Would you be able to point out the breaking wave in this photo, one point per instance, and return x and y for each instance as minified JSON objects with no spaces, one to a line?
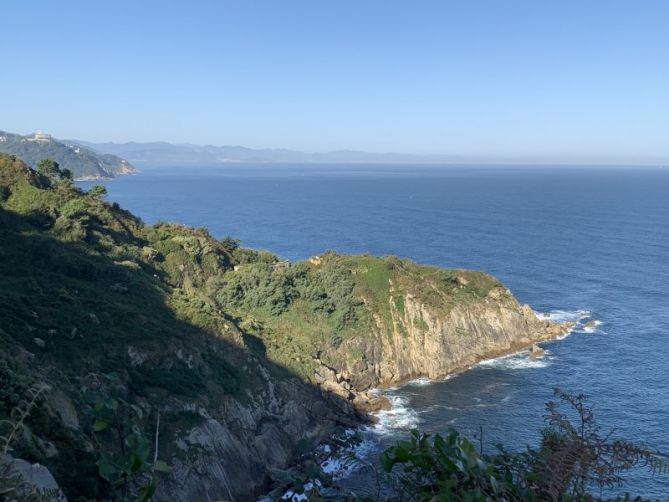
{"x":579,"y":317}
{"x":518,"y":361}
{"x":400,"y":417}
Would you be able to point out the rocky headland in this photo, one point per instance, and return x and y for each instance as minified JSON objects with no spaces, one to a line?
{"x":237,"y":361}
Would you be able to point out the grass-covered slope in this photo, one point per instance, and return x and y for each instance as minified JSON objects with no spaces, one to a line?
{"x":82,"y":162}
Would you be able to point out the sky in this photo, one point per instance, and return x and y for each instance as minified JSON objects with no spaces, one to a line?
{"x":581,"y":80}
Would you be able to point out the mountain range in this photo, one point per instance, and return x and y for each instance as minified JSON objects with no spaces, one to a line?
{"x":170,"y":153}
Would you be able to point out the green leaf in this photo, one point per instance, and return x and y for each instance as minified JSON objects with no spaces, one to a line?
{"x":387,"y":462}
{"x":162,"y":466}
{"x":494,"y":484}
{"x":138,"y":411}
{"x":401,"y":453}
{"x":147,"y":491}
{"x":107,"y":468}
{"x":136,"y":462}
{"x":100,"y":424}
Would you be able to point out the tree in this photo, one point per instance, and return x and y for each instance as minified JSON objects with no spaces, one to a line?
{"x":49,"y":168}
{"x":97,"y":191}
{"x":230,"y":243}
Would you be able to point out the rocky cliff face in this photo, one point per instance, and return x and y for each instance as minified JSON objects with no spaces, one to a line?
{"x":423,"y":322}
{"x":423,"y":342}
{"x":234,"y":452}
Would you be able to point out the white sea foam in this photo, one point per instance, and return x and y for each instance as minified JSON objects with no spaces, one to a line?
{"x":419,"y":382}
{"x":348,"y":459}
{"x":594,"y":328}
{"x":398,"y":417}
{"x":308,"y":487}
{"x":518,"y":361}
{"x":578,"y":317}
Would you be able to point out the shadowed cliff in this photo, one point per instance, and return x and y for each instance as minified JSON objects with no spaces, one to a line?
{"x":86,"y":306}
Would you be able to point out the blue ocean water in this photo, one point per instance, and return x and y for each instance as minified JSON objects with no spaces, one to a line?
{"x":580,"y":242}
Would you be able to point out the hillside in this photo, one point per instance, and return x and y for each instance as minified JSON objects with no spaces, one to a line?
{"x":83,"y":162}
{"x":238,"y":362}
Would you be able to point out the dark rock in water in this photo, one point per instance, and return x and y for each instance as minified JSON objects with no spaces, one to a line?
{"x":536,"y":352}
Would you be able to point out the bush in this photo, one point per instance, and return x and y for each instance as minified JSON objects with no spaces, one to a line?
{"x":97,"y":191}
{"x":574,"y":456}
{"x":73,"y":208}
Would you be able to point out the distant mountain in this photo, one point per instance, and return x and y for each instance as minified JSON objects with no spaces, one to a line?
{"x":83,"y":162}
{"x":160,"y":152}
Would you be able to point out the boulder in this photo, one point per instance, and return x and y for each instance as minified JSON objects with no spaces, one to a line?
{"x":536,"y":352}
{"x":30,"y":479}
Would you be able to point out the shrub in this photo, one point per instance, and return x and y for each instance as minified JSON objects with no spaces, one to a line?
{"x":97,"y":191}
{"x":574,"y":456}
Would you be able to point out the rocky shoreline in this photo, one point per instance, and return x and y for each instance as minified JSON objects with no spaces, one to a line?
{"x":344,"y":384}
{"x":334,"y":453}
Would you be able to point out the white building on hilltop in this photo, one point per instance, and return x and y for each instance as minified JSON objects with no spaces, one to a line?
{"x":40,"y":137}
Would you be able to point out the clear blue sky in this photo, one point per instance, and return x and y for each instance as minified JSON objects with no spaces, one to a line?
{"x":542,"y":79}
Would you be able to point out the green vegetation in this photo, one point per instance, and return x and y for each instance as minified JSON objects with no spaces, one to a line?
{"x":76,"y":160}
{"x":574,"y":462}
{"x":124,"y":454}
{"x":325,"y":307}
{"x":87,"y":290}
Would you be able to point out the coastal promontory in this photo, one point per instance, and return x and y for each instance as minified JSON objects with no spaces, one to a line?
{"x":228,"y":362}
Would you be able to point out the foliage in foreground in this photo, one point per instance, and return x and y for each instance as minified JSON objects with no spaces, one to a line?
{"x":574,"y":461}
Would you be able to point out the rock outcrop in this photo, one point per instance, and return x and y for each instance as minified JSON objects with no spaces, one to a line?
{"x":22,"y":480}
{"x":421,"y":341}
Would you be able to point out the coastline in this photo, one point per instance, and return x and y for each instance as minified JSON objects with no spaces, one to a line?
{"x":567,"y":328}
{"x":338,"y":462}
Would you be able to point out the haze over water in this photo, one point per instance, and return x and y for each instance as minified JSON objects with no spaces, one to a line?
{"x":591,"y":243}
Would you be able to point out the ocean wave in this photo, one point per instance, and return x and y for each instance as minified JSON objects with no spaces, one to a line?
{"x":593,"y":328}
{"x":575,"y":316}
{"x":351,"y":458}
{"x":518,"y":361}
{"x":578,"y":317}
{"x":419,"y":382}
{"x":400,"y":417}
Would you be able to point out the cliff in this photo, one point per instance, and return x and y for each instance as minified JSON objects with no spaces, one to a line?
{"x":234,"y":361}
{"x":369,"y":322}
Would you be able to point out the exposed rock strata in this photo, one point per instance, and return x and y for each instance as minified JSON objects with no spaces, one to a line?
{"x":424,"y":343}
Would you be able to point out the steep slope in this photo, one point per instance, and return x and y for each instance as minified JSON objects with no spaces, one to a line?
{"x":237,"y":360}
{"x":83,"y":162}
{"x":89,"y":303}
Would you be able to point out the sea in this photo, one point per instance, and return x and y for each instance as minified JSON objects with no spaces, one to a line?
{"x":576,"y":243}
